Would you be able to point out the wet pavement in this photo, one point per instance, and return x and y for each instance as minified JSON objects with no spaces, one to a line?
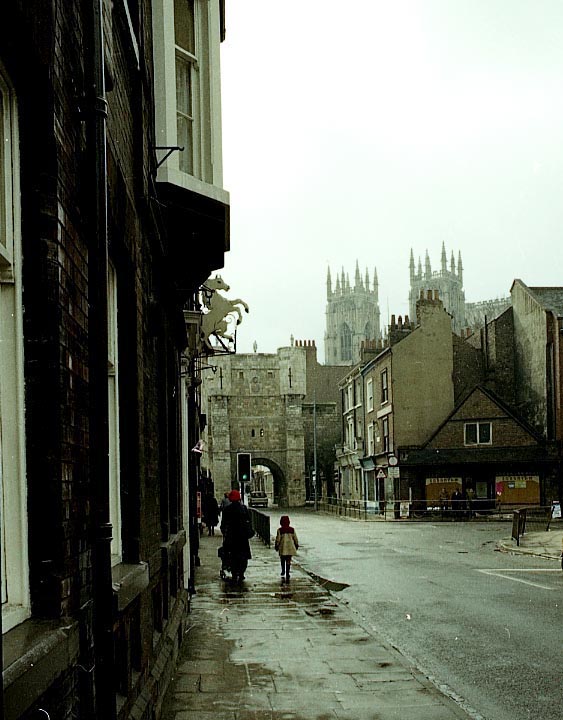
{"x":543,"y":544}
{"x":273,"y":650}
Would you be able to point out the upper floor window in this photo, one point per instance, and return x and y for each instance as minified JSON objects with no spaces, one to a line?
{"x":13,"y":486}
{"x":7,"y":130}
{"x":385,"y":434}
{"x":369,"y":393}
{"x":370,"y":439}
{"x":186,"y":41}
{"x":350,"y":433}
{"x":187,"y":88}
{"x":358,"y":392}
{"x":478,"y":433}
{"x":384,"y":387}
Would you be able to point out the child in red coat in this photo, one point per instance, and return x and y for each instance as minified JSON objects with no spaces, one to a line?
{"x":286,"y":544}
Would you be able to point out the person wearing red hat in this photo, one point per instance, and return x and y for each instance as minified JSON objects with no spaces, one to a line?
{"x":286,"y":544}
{"x":236,"y":527}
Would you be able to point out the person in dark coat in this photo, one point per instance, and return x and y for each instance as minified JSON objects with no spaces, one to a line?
{"x":457,"y":504}
{"x":224,"y":502}
{"x":210,"y":513}
{"x":236,"y":527}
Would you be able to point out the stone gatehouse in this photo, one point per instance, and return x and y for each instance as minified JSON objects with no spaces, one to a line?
{"x":277,"y":407}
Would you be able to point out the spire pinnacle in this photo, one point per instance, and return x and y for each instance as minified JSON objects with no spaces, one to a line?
{"x":357,"y":278}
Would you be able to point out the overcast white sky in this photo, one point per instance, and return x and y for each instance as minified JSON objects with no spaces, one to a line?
{"x":357,"y":131}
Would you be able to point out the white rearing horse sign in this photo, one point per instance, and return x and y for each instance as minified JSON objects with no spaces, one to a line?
{"x":214,"y":321}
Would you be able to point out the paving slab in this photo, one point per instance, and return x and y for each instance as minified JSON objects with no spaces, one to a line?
{"x":270,"y":650}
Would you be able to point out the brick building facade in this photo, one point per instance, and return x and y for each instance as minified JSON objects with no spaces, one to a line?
{"x":404,"y":407}
{"x":98,"y":371}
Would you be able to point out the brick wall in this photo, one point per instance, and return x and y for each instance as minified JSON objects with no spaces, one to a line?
{"x":43,"y":47}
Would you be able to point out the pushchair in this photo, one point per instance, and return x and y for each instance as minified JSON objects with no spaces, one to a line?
{"x":225,"y":567}
{"x":233,"y":563}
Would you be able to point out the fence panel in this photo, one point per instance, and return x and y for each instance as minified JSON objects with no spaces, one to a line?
{"x":261,"y":525}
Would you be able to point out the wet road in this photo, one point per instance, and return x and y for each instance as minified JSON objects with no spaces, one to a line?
{"x":484,"y":625}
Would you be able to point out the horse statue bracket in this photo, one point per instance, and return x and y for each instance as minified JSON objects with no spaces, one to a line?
{"x":219,"y":314}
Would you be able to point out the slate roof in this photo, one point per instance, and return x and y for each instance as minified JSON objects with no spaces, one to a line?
{"x":550,"y":297}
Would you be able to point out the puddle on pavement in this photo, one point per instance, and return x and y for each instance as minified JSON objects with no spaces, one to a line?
{"x":331,"y":585}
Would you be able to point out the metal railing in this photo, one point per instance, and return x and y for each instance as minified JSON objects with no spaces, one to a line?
{"x":456,"y":510}
{"x":347,"y":508}
{"x":261,"y":525}
{"x":533,"y":518}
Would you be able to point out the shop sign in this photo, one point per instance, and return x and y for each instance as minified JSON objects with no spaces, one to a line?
{"x":436,"y":480}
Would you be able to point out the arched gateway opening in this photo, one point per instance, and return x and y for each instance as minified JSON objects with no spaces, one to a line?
{"x":269,"y":477}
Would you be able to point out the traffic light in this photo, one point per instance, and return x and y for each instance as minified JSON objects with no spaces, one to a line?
{"x":243,"y":467}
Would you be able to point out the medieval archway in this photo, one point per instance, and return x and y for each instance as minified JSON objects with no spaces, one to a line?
{"x":273,"y":478}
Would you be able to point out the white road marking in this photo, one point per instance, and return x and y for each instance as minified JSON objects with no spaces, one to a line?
{"x":501,"y":574}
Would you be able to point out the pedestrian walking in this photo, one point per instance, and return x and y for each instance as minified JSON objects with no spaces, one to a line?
{"x":457,"y":504}
{"x":286,"y":544}
{"x":236,"y":527}
{"x":470,"y":494}
{"x":210,"y":509}
{"x":444,"y":500}
{"x":224,"y":502}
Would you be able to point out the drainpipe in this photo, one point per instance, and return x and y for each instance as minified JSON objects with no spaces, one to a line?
{"x":104,"y":678}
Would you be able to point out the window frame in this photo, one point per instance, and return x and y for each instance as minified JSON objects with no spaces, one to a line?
{"x":350,"y":432}
{"x":477,"y":425}
{"x":384,"y":386}
{"x":371,"y":439}
{"x":16,"y":605}
{"x":345,"y":343}
{"x":190,"y":162}
{"x":369,"y":394}
{"x":385,"y":435}
{"x":8,"y":148}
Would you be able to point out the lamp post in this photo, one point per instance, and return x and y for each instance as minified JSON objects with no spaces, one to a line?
{"x":315,"y":447}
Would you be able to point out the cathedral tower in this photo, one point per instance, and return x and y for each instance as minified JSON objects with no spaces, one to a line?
{"x":448,"y":283}
{"x":352,"y":315}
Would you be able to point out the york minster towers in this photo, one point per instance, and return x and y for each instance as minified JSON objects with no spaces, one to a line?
{"x":447,"y":281}
{"x":352,"y":315}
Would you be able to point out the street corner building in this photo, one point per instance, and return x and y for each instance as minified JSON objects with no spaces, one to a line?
{"x":112,"y":216}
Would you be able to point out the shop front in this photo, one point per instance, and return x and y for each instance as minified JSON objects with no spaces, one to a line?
{"x":490,"y":482}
